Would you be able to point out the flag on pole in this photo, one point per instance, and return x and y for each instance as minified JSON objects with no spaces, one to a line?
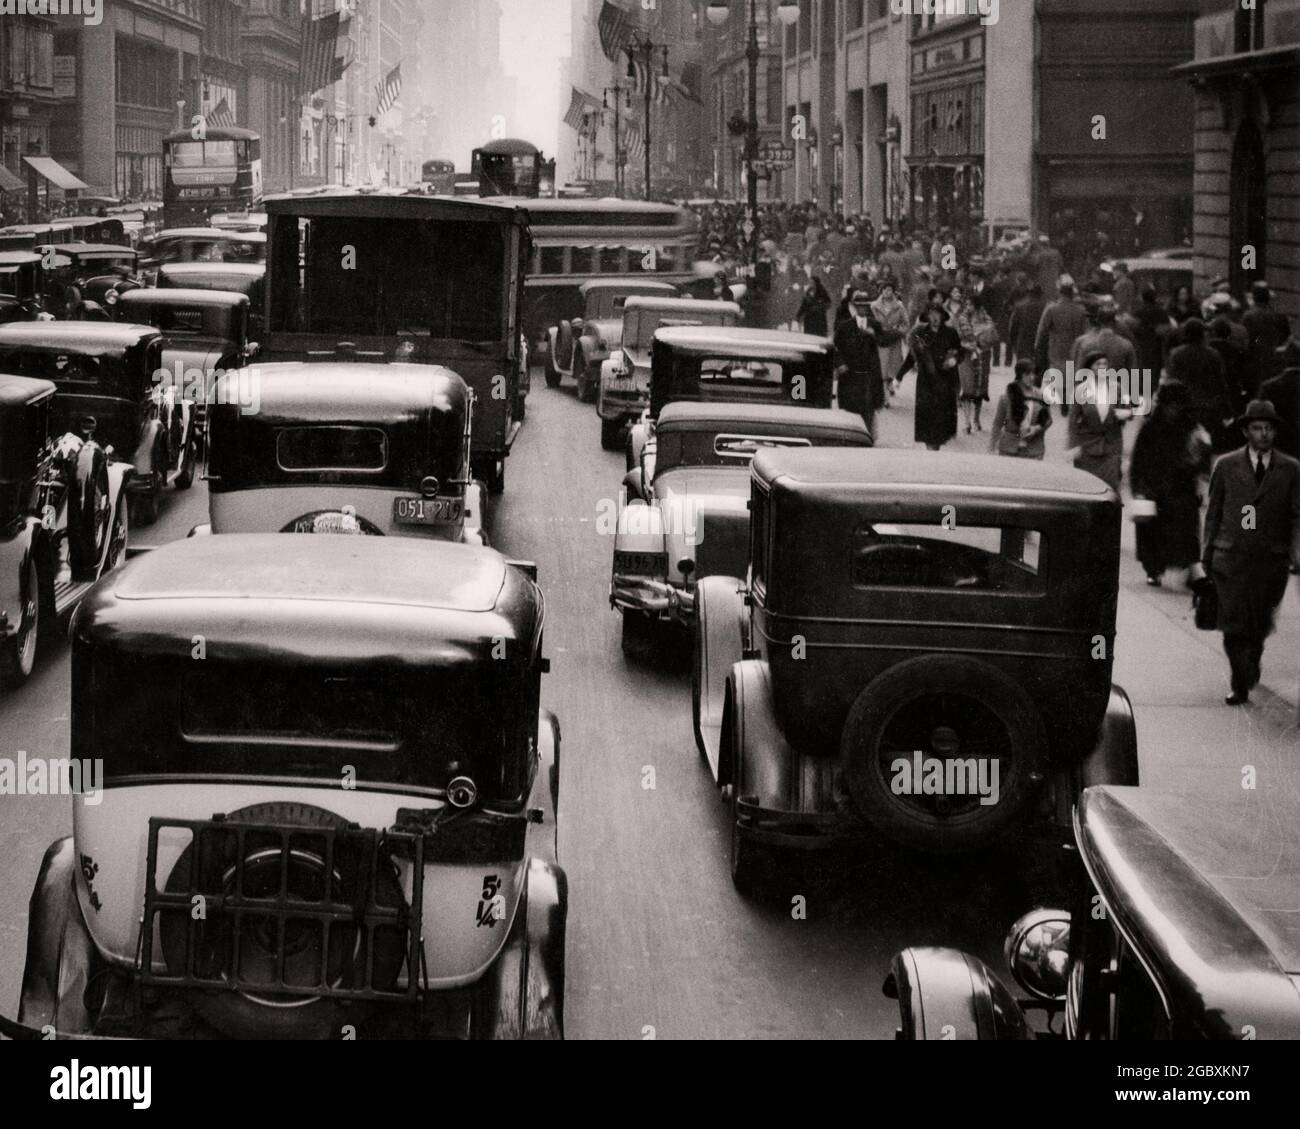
{"x":221,"y":116}
{"x":580,"y":102}
{"x":389,"y":88}
{"x":319,"y":46}
{"x":661,"y":85}
{"x":340,"y":64}
{"x":616,"y":27}
{"x":633,"y":142}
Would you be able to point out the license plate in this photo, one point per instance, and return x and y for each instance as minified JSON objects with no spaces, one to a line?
{"x":641,"y":564}
{"x":427,"y":511}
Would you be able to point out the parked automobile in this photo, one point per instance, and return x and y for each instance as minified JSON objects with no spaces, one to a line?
{"x":1163,"y":274}
{"x":922,"y":650}
{"x":111,"y":386}
{"x":248,"y":279}
{"x":201,"y":245}
{"x":1179,"y":927}
{"x":733,"y":365}
{"x":22,"y":286}
{"x":683,"y":514}
{"x":63,"y":520}
{"x":343,"y":448}
{"x":99,"y":271}
{"x":624,"y":392}
{"x":577,"y":348}
{"x":355,"y":783}
{"x":205,"y":332}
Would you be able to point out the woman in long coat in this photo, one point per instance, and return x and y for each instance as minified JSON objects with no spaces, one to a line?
{"x":891,"y":313}
{"x":1169,"y":455}
{"x":934,"y":351}
{"x":1097,"y":424}
{"x":814,"y":309}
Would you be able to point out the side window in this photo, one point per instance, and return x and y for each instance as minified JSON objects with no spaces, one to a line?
{"x":942,"y":556}
{"x":552,"y":260}
{"x":759,"y":520}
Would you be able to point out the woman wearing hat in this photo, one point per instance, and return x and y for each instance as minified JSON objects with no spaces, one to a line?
{"x":857,"y":362}
{"x":1252,"y":526}
{"x":1096,"y":420}
{"x":891,"y":316}
{"x":934,"y":351}
{"x":1172,"y":451}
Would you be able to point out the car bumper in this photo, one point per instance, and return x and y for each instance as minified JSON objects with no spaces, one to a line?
{"x":654,"y":597}
{"x":626,"y":406}
{"x":791,"y":830}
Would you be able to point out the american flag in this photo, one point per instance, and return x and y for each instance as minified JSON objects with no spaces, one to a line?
{"x":388,"y":89}
{"x":616,"y":27}
{"x":221,"y":115}
{"x":580,"y":102}
{"x":661,"y":87}
{"x":633,"y":142}
{"x":317,"y":66}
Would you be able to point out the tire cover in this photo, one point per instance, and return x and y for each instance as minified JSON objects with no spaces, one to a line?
{"x":89,"y":484}
{"x":564,"y":346}
{"x":969,"y":685}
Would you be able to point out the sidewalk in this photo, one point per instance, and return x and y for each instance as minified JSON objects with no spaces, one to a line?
{"x":1161,"y":658}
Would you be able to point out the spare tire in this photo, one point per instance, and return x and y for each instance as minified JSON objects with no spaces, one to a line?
{"x":255,"y":1013}
{"x":89,"y":511}
{"x":943,"y":753}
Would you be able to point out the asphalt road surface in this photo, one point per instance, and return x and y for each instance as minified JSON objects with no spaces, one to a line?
{"x":659,"y":943}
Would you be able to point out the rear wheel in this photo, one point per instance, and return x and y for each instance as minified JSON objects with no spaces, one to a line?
{"x":610,"y":432}
{"x":755,"y":867}
{"x":18,"y":652}
{"x":552,"y":375}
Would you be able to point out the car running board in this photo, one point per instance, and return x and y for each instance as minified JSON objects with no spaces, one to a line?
{"x":68,"y":593}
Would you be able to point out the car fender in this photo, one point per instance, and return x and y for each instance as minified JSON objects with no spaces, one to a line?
{"x":638,"y":529}
{"x":1114,"y":759}
{"x":607,"y":367}
{"x":143,"y":460}
{"x":719,"y":642}
{"x":637,"y":437}
{"x":563,"y":349}
{"x":945,"y":994}
{"x":552,"y":340}
{"x":763,"y":766}
{"x":60,"y":952}
{"x":119,"y":474}
{"x":475,"y":499}
{"x":15,"y":552}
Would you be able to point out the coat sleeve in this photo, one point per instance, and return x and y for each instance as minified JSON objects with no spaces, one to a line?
{"x":999,"y":423}
{"x":1213,"y":514}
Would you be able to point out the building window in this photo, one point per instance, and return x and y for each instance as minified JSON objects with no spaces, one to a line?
{"x":773,"y":112}
{"x":879,"y":9}
{"x":146,"y":75}
{"x":1248,"y":27}
{"x":854,"y":13}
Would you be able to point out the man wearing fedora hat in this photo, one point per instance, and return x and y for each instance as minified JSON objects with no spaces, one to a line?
{"x":1252,"y":527}
{"x":857,"y":361}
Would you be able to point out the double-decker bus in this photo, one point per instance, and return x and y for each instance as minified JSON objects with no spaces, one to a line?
{"x":575,"y":240}
{"x":220,"y":173}
{"x":438,"y":177}
{"x":508,"y":167}
{"x":429,"y":279}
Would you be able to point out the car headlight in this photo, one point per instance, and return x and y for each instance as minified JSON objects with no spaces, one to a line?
{"x":110,"y":297}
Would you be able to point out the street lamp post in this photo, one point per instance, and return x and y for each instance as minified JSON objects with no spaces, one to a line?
{"x":616,"y":90}
{"x":717,"y":13}
{"x":645,"y":47}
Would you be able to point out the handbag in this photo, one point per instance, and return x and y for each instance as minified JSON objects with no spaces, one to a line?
{"x":1205,"y":604}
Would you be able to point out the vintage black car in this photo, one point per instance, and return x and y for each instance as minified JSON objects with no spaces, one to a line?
{"x":22,"y":286}
{"x":684,"y":513}
{"x":202,"y":245}
{"x":98,"y":271}
{"x":922,"y":650}
{"x":378,"y":449}
{"x":248,"y":279}
{"x":733,"y":365}
{"x":112,"y":385}
{"x":1180,"y":926}
{"x":353,"y":779}
{"x":63,"y":520}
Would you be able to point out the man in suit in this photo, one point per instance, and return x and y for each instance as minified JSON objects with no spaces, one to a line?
{"x":1267,"y":329}
{"x":857,"y":361}
{"x":1252,"y":527}
{"x":1062,"y":324}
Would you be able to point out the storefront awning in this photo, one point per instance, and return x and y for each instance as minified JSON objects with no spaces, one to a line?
{"x":9,"y":182}
{"x":55,"y":173}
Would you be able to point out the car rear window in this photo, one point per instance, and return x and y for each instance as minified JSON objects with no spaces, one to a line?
{"x":957,"y":557}
{"x":331,"y":448}
{"x":753,"y":376}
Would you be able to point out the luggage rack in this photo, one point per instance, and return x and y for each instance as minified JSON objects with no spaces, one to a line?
{"x":348,"y":918}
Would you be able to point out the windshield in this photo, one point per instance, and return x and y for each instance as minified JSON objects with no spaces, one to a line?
{"x":195,"y":154}
{"x":384,"y":277}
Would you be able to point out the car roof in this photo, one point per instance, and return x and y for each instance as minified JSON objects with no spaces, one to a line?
{"x":107,"y":249}
{"x":690,"y":416}
{"x":684,"y":305}
{"x":180,"y":296}
{"x":884,"y":471}
{"x":294,"y":598}
{"x":1206,"y":890}
{"x":86,"y":336}
{"x":234,"y":270}
{"x":17,"y":258}
{"x":629,"y":286}
{"x":348,"y":390}
{"x":740,"y":341}
{"x":1178,"y":266}
{"x":216,"y":234}
{"x":334,"y":200}
{"x":18,"y":391}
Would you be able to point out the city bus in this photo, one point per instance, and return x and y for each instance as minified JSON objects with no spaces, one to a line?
{"x":429,"y":279}
{"x":221,"y":173}
{"x":575,"y":240}
{"x":438,"y":177}
{"x":508,"y":167}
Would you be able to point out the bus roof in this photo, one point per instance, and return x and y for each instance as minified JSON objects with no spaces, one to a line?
{"x":411,"y":202}
{"x":514,"y":146}
{"x":215,"y":133}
